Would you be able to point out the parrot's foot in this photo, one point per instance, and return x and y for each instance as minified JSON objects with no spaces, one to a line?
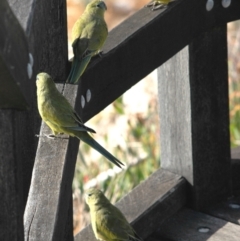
{"x":100,"y":53}
{"x":156,"y":5}
{"x":54,"y":137}
{"x":50,"y":136}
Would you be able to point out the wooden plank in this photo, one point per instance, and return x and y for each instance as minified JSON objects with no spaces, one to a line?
{"x":45,"y":26}
{"x":142,"y":43}
{"x":68,"y":232}
{"x":47,"y":209}
{"x":13,"y":61}
{"x":150,"y":203}
{"x":14,"y":125}
{"x":11,"y":193}
{"x":151,"y":238}
{"x":194,"y":117}
{"x":235,"y":153}
{"x":22,"y":10}
{"x":235,"y":170}
{"x":228,"y":210}
{"x":185,"y":225}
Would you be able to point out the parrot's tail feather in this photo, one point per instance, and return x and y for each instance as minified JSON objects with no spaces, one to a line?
{"x":71,"y":71}
{"x":82,"y":128}
{"x":85,"y":137}
{"x":78,"y":67}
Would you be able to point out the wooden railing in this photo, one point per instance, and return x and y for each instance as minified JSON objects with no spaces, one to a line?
{"x":193,"y":96}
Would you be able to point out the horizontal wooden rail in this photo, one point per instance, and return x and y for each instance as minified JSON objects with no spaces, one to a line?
{"x":228,"y":210}
{"x":186,"y":225}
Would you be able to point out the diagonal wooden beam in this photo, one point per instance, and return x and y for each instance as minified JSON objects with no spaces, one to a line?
{"x":142,"y":43}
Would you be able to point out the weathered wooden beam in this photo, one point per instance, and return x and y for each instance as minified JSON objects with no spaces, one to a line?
{"x":228,"y":210}
{"x":187,"y":224}
{"x":11,"y":186}
{"x":44,"y":23}
{"x":145,"y":41}
{"x":45,"y":26}
{"x":194,"y":117}
{"x":151,"y":238}
{"x":13,"y":61}
{"x":13,"y":131}
{"x":150,"y":203}
{"x":235,"y":170}
{"x":47,"y":208}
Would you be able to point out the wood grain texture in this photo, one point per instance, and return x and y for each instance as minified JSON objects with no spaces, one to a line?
{"x":47,"y":210}
{"x":17,"y":140}
{"x":149,"y":204}
{"x":235,"y":170}
{"x":194,"y":117}
{"x":13,"y":61}
{"x":45,"y":26}
{"x":228,"y":210}
{"x":142,"y":43}
{"x":184,"y":226}
{"x":11,"y":186}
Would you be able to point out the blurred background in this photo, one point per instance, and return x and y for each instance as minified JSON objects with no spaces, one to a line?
{"x":129,"y":127}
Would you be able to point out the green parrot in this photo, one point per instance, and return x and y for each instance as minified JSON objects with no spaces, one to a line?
{"x":89,"y":34}
{"x":157,"y":4}
{"x":59,"y":115}
{"x":108,"y":222}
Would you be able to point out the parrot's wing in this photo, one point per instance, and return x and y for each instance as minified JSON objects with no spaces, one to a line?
{"x":61,"y":113}
{"x":79,"y":65}
{"x":114,"y":226}
{"x":89,"y":35}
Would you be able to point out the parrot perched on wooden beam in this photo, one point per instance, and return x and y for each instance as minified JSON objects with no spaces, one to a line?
{"x":108,"y":222}
{"x":59,"y":115}
{"x":88,"y":34}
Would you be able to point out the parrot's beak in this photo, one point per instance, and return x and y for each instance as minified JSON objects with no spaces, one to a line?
{"x":102,"y":5}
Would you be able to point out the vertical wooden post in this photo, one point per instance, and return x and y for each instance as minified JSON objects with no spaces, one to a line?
{"x":47,"y":215}
{"x":45,"y":25}
{"x":14,"y":128}
{"x":194,"y":118}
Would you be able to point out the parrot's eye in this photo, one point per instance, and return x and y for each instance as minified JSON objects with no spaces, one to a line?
{"x":90,"y":194}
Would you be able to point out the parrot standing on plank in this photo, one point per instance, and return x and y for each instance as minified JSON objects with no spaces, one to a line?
{"x":108,"y":222}
{"x":157,"y":4}
{"x":89,"y":34}
{"x":59,"y":115}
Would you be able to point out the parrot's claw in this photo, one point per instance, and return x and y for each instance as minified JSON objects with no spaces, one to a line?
{"x":154,"y":5}
{"x":54,"y":137}
{"x":158,"y":5}
{"x":100,"y":53}
{"x":51,"y":136}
